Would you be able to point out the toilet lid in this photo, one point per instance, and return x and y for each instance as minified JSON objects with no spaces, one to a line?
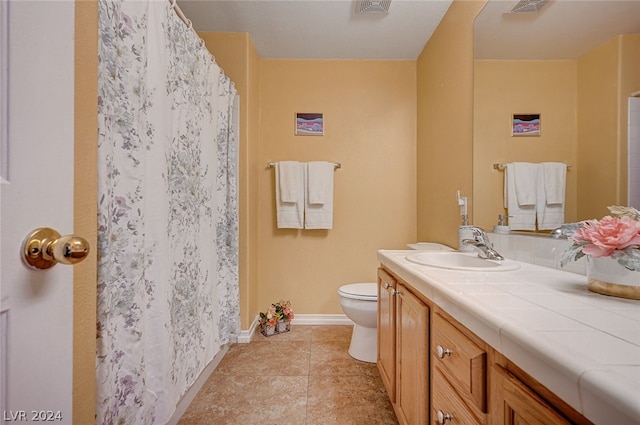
{"x":363,"y":291}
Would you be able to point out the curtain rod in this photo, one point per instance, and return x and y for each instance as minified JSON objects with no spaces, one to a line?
{"x":183,"y":18}
{"x":335,"y":165}
{"x":500,"y":167}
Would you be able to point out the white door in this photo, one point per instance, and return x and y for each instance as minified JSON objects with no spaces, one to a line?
{"x":36,"y":191}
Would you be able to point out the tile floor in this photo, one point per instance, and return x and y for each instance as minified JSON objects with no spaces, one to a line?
{"x":302,"y":377}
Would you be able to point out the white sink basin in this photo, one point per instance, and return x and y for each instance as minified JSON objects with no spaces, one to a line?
{"x":456,"y":260}
{"x":429,"y":246}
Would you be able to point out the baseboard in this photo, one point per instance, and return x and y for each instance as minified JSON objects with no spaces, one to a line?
{"x":321,"y":319}
{"x":247,"y":335}
{"x":300,"y":320}
{"x":193,"y":390}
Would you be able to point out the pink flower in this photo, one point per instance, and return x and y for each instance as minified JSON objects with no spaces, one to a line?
{"x":288,"y":313}
{"x":603,"y":237}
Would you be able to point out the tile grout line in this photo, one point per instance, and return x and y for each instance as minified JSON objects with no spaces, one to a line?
{"x":306,"y":406}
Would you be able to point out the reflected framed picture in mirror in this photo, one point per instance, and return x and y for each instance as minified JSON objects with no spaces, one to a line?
{"x":309,"y":124}
{"x":525,"y":125}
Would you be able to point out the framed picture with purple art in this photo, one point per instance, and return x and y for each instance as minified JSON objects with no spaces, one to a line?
{"x":525,"y":125}
{"x":309,"y":124}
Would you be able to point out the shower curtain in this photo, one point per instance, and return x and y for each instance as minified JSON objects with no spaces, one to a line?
{"x":168,"y":224}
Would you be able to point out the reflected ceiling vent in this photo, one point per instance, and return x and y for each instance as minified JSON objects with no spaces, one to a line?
{"x":372,"y":6}
{"x":528,"y":6}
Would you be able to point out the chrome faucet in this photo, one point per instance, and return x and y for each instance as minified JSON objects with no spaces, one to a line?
{"x":482,"y":244}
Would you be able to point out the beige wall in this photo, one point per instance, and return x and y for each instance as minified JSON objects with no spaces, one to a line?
{"x":445,"y":123}
{"x":85,"y":209}
{"x":597,"y":130}
{"x":606,"y":78}
{"x":369,"y":110}
{"x":370,"y":115}
{"x":502,"y":88}
{"x":629,"y":84}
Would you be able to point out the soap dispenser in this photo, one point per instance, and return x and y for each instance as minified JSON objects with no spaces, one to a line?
{"x":501,"y":228}
{"x":465,"y":231}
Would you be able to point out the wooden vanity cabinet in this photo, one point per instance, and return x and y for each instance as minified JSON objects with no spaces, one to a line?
{"x":403,"y":349}
{"x":469,"y":383}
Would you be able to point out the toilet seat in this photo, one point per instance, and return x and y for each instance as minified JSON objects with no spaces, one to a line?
{"x":360,"y":291}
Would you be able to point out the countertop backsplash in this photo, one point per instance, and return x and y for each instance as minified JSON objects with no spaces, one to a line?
{"x":541,"y":250}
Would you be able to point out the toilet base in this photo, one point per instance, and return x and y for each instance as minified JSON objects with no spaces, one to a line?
{"x":364,"y":344}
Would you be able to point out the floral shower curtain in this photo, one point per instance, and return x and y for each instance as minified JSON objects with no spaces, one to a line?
{"x":168,"y":242}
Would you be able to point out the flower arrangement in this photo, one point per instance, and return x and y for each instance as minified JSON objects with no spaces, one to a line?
{"x":616,"y":236}
{"x":277,"y":312}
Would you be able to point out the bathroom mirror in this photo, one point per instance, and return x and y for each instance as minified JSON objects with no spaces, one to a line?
{"x":533,"y":63}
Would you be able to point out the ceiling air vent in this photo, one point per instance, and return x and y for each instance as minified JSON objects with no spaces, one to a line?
{"x":528,"y":6}
{"x":372,"y":6}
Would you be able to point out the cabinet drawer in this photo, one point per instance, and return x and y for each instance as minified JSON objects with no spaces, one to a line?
{"x":461,"y":360}
{"x":448,"y":407}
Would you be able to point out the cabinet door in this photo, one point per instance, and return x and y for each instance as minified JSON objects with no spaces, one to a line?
{"x":412,"y":369}
{"x":516,"y":404}
{"x":387,"y":332}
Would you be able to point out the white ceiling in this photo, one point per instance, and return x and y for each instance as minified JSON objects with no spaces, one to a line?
{"x":322,"y":29}
{"x":329,"y":29}
{"x":563,"y":29}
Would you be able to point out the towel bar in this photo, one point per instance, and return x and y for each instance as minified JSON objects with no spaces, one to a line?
{"x":501,"y":167}
{"x":335,"y":164}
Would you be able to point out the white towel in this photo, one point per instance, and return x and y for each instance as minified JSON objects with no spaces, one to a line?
{"x":525,"y":179}
{"x":290,"y":215}
{"x":320,"y":181}
{"x":319,"y":202}
{"x":555,"y":178}
{"x":521,"y":217}
{"x":288,"y":180}
{"x":550,"y":198}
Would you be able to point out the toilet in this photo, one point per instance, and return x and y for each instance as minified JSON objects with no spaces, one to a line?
{"x":359,"y":301}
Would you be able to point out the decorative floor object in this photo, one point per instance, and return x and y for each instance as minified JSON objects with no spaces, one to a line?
{"x":281,"y":327}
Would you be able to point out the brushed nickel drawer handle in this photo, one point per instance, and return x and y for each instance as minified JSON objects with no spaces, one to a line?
{"x":443,"y":351}
{"x":443,"y":417}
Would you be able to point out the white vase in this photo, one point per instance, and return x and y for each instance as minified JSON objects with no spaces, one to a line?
{"x":606,"y":276}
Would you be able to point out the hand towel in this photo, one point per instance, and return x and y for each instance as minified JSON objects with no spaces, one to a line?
{"x":319,"y":202}
{"x":525,"y":179}
{"x":555,"y":178}
{"x":521,"y":217}
{"x":320,"y":181}
{"x":550,"y":198}
{"x":290,"y":215}
{"x":288,"y":174}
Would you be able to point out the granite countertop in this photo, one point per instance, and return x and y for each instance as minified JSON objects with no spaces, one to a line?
{"x":583,"y":346}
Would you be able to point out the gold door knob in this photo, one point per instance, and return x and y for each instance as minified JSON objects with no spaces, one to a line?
{"x":44,"y":248}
